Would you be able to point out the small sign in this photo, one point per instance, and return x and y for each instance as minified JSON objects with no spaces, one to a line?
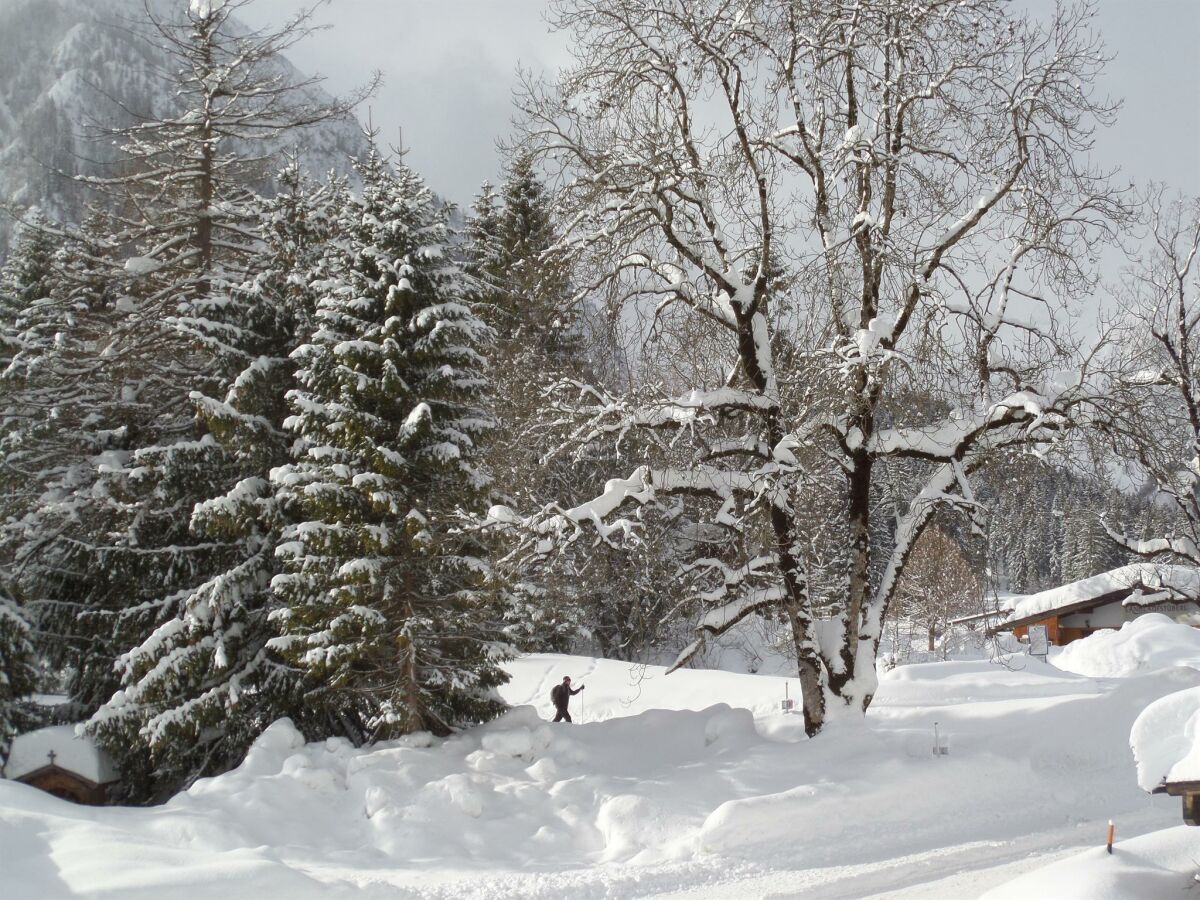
{"x":787,"y":705}
{"x":1039,"y":641}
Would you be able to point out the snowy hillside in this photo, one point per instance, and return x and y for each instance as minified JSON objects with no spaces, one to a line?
{"x":66,"y":65}
{"x":692,"y":782}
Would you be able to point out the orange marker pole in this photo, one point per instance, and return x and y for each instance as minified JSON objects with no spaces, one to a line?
{"x":1111,"y":831}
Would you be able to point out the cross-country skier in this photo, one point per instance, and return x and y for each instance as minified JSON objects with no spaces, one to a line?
{"x":561,"y":695}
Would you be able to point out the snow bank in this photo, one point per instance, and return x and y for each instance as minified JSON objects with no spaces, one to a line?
{"x":1153,"y":866}
{"x":693,"y":781}
{"x":1150,"y":642}
{"x":1147,"y":643}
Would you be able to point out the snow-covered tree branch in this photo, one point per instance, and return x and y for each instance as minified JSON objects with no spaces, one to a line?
{"x":1153,"y":419}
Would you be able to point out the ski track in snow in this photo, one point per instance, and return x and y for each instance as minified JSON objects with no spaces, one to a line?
{"x":538,"y":697}
{"x":583,"y":680}
{"x":540,"y":692}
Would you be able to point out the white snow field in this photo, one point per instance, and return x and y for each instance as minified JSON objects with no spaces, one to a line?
{"x":688,"y":785}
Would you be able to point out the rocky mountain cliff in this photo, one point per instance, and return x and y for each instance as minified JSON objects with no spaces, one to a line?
{"x":70,"y":67}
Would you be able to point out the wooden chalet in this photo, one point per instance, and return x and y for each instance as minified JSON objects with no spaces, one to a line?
{"x":64,"y":764}
{"x":1105,"y":601}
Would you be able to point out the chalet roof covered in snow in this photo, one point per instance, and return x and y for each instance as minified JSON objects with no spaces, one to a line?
{"x":76,"y":754}
{"x":1138,"y":584}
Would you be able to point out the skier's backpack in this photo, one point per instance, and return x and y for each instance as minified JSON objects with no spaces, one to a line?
{"x":556,"y":693}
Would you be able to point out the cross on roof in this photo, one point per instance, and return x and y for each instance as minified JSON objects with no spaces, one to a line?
{"x":53,"y":756}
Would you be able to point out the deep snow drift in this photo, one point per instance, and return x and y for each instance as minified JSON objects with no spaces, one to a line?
{"x":667,"y":787}
{"x":1149,"y":642}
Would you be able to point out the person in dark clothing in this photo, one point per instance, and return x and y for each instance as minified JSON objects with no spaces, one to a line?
{"x":561,"y":695}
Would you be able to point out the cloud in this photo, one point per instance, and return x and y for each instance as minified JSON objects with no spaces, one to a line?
{"x":449,"y":71}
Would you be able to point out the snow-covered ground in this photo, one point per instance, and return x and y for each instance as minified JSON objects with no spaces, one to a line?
{"x":692,"y":784}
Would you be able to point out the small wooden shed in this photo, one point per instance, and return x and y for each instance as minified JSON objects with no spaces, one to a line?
{"x":60,"y":762}
{"x":1190,"y":792}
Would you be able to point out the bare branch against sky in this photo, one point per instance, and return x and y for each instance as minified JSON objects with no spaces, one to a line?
{"x":449,"y":68}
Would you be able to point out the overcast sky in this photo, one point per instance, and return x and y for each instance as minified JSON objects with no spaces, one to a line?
{"x":449,"y":69}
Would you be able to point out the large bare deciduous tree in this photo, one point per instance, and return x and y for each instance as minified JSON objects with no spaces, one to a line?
{"x":872,"y":216}
{"x":1152,"y":418}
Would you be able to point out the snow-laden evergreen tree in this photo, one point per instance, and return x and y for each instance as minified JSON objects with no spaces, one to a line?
{"x":114,"y":533}
{"x":522,"y":290}
{"x":203,"y":685}
{"x":1046,"y":521}
{"x":66,"y":420}
{"x":24,"y":279}
{"x":383,"y":604}
{"x":615,"y":597}
{"x":18,"y":673}
{"x":525,"y":277}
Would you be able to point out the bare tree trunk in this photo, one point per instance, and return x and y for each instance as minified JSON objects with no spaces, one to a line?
{"x":859,"y":585}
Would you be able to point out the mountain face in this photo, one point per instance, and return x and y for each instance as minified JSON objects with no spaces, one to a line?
{"x":68,"y":67}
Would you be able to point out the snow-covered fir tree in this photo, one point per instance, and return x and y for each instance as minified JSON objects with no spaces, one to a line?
{"x":17,"y":670}
{"x":24,"y":279}
{"x":523,"y":291}
{"x":1046,"y":522}
{"x":25,"y":285}
{"x":63,"y":422}
{"x":611,"y":598}
{"x":524,"y":279}
{"x":203,"y":685}
{"x":112,"y":534}
{"x":384,"y":604}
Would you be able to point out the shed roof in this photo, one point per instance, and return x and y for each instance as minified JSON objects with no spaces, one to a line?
{"x":78,"y":754}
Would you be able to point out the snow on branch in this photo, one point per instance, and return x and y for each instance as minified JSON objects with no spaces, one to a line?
{"x":717,"y":621}
{"x":1180,"y":546}
{"x":731,"y":578}
{"x":952,"y":438}
{"x":554,"y":527}
{"x":602,"y":414}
